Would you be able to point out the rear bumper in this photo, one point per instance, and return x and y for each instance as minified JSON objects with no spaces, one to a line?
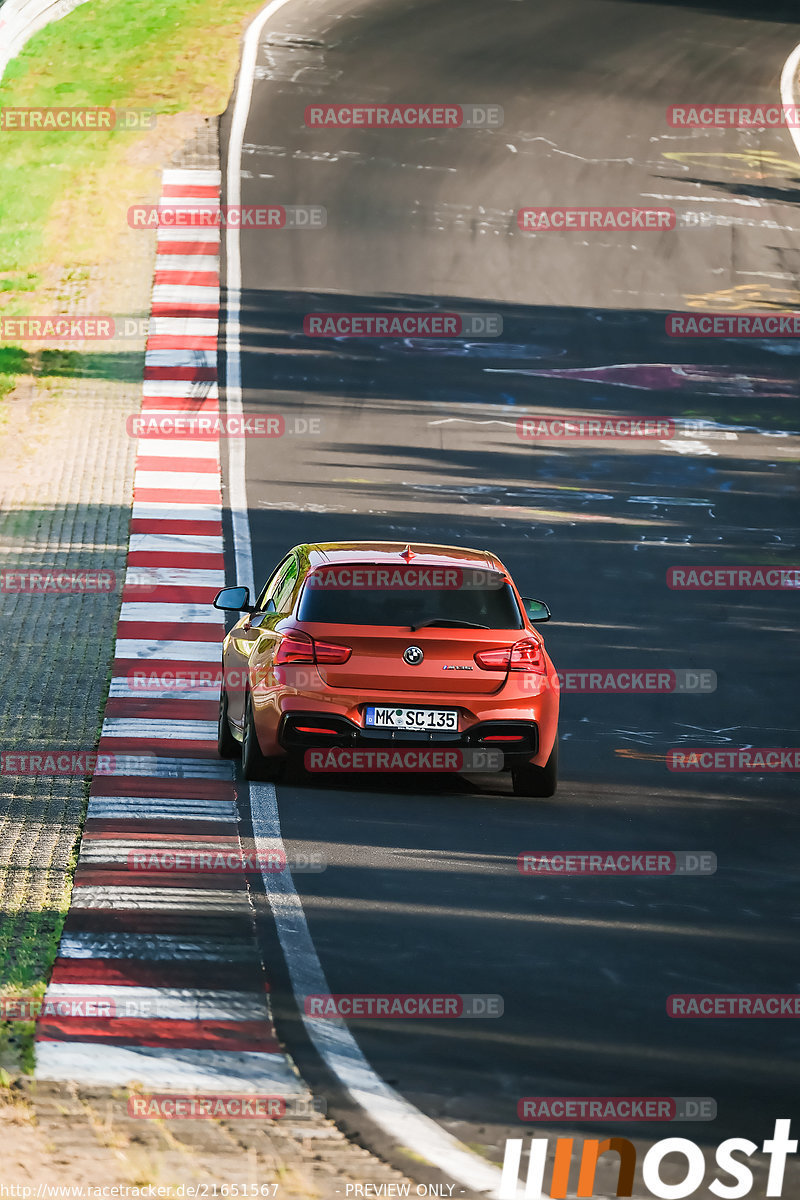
{"x":279,"y":709}
{"x":305,"y":730}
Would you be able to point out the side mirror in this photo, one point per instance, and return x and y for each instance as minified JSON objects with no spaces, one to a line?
{"x":234,"y":599}
{"x":537,"y":610}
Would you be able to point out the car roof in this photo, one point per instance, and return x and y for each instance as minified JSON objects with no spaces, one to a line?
{"x":423,"y":554}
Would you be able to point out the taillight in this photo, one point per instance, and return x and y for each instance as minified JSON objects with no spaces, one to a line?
{"x":525,"y":655}
{"x":295,"y":647}
{"x":298,"y":647}
{"x":330,"y":652}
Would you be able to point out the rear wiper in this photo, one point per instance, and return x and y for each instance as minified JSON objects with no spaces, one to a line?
{"x":446,"y":621}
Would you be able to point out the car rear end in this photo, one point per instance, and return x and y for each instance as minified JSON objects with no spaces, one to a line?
{"x":405,"y":660}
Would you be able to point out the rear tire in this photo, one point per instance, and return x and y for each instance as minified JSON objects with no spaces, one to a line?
{"x":538,"y":782}
{"x":227,"y":745}
{"x":255,"y":765}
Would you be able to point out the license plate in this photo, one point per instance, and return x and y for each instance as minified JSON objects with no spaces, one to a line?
{"x":445,"y":719}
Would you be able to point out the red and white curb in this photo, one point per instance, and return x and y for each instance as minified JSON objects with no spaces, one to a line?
{"x":173,"y":955}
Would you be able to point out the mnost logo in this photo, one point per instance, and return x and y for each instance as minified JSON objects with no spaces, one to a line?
{"x":777,"y":1148}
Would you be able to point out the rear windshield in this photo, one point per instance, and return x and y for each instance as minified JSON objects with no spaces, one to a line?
{"x":327,"y":599}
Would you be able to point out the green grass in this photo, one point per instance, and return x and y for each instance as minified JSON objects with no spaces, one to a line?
{"x":64,"y":194}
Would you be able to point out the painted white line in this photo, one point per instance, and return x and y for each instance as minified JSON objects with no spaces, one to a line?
{"x":169,"y":808}
{"x":187,"y":481}
{"x":401,"y":1120}
{"x":693,"y":447}
{"x":117,"y":849}
{"x":202,"y":233}
{"x":153,"y":947}
{"x":789,"y":75}
{"x":179,"y":448}
{"x":186,"y":293}
{"x":172,"y":651}
{"x":176,"y":543}
{"x":168,"y":899}
{"x":155,"y":510}
{"x":332,"y":1038}
{"x":187,"y":262}
{"x":180,"y":389}
{"x":163,"y":687}
{"x":187,"y":200}
{"x":214,"y":1071}
{"x":185,"y":576}
{"x":169,"y":1004}
{"x":180,"y":357}
{"x":162,"y":767}
{"x":166,"y":730}
{"x":185,"y":326}
{"x":133,"y":610}
{"x":202,"y":176}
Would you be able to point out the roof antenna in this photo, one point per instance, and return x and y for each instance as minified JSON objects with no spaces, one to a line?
{"x":407,"y":553}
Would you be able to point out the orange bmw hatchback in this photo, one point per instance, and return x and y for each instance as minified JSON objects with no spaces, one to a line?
{"x":377,"y":645}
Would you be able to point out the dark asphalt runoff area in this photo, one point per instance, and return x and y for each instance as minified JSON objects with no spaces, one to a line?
{"x":418,"y":443}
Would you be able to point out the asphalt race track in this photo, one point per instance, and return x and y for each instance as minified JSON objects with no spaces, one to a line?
{"x":417,"y":442}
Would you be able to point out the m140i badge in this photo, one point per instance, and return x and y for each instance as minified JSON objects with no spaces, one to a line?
{"x":456,"y":667}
